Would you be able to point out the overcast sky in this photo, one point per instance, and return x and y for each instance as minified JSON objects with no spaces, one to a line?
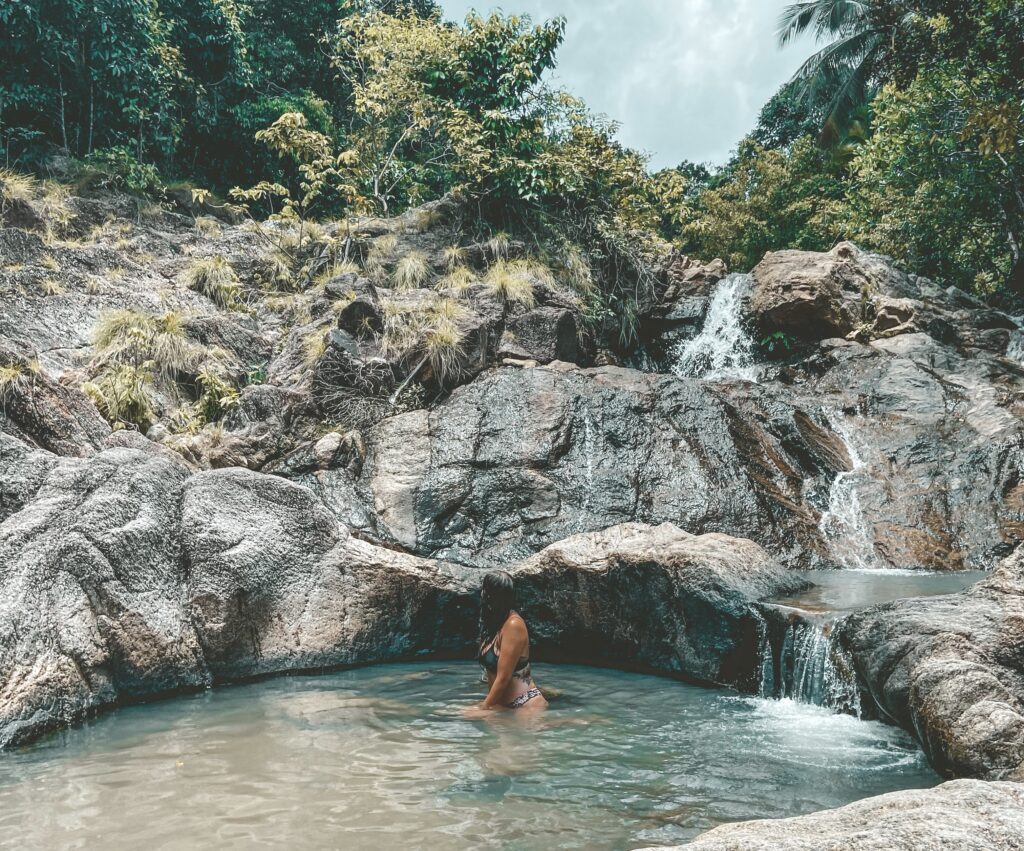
{"x":684,"y":78}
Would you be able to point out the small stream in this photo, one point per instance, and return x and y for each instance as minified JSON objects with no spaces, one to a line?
{"x":806,"y":664}
{"x":380,"y":757}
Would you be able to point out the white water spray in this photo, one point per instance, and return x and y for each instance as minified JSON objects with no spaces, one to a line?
{"x":843,"y":524}
{"x":813,"y":668}
{"x":723,"y":349}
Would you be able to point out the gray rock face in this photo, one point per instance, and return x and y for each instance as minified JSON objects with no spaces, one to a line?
{"x":543,"y":334}
{"x":523,"y":458}
{"x":44,"y":412}
{"x":93,"y":605}
{"x":967,"y":815}
{"x":951,"y":671}
{"x":936,"y":437}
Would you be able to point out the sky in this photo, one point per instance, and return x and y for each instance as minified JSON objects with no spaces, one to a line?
{"x":684,"y":78}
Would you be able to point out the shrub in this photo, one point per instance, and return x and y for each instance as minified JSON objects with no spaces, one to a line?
{"x":121,"y":395}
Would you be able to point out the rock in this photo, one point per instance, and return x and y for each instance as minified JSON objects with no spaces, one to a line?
{"x":634,"y":595}
{"x":522,"y":458}
{"x":22,"y":472}
{"x":19,"y":246}
{"x":809,"y":295}
{"x":44,"y":412}
{"x":361,"y":314}
{"x":277,"y":584}
{"x":244,"y":343}
{"x":937,"y":437}
{"x":950,"y":670}
{"x":686,"y":277}
{"x":92,"y":608}
{"x":543,"y":334}
{"x":967,"y":815}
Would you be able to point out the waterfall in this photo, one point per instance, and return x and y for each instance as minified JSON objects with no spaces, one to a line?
{"x":723,"y":349}
{"x":766,"y":659}
{"x":843,"y":524}
{"x":812,"y":667}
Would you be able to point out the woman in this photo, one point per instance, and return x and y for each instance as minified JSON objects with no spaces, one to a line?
{"x":505,"y":648}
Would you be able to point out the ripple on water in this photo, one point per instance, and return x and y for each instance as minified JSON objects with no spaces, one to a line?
{"x":364,"y":758}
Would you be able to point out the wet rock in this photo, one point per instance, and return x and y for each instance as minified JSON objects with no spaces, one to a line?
{"x":967,"y":815}
{"x":522,"y":458}
{"x":92,"y":610}
{"x":950,"y":670}
{"x":937,"y":435}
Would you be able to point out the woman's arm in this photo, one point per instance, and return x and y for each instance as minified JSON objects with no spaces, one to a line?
{"x":513,"y":643}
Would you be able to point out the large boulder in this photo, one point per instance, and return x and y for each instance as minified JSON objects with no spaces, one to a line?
{"x":41,"y":411}
{"x":967,"y":815}
{"x":276,"y":584}
{"x":810,"y":295}
{"x":950,"y":670}
{"x":92,"y":609}
{"x":657,"y":597}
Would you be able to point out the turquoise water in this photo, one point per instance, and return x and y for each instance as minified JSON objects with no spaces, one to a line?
{"x":381,"y":757}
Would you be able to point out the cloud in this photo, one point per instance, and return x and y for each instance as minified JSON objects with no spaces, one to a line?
{"x":685,"y":78}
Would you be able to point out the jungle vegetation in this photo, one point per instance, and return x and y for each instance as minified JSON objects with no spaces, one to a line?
{"x":904,"y":131}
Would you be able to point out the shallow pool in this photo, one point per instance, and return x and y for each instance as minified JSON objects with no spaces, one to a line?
{"x":381,"y":757}
{"x":847,"y":590}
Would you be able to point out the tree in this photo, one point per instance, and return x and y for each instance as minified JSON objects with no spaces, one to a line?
{"x":772,"y":199}
{"x":941,"y":182}
{"x":837,"y":78}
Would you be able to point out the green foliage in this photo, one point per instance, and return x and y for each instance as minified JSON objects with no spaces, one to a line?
{"x":120,"y":168}
{"x":777,"y":342}
{"x":121,"y":394}
{"x":770,"y":199}
{"x":939,"y":183}
{"x":217,"y":395}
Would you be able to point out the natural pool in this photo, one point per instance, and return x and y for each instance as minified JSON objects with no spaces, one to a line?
{"x":381,"y":757}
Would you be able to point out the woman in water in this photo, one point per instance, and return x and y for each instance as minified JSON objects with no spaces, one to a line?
{"x":505,"y":648}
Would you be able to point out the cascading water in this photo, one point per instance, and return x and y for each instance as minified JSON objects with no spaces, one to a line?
{"x":723,"y":349}
{"x":812,"y":668}
{"x":843,"y":524}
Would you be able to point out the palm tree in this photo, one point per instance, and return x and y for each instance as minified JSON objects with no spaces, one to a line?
{"x":861,"y":34}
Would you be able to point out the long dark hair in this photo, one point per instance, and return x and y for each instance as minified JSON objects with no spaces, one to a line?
{"x":497,"y":599}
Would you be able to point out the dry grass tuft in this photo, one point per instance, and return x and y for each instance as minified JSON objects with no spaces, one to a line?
{"x":411,"y":271}
{"x":513,"y":281}
{"x":216,"y":280}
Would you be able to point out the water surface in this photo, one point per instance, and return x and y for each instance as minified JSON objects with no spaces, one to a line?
{"x":380,"y":757}
{"x":843,"y":591}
